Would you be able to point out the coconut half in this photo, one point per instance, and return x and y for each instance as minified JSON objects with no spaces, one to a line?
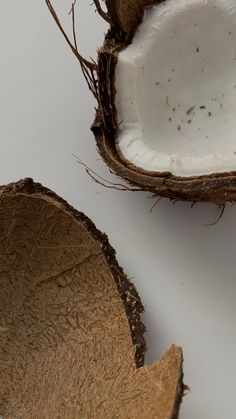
{"x":167,"y":97}
{"x":71,"y":338}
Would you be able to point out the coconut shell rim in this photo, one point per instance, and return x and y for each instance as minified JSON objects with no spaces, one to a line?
{"x":123,"y":284}
{"x":215,"y":187}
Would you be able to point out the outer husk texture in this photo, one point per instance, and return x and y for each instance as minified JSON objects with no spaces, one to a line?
{"x":126,"y":14}
{"x":217,"y":188}
{"x":71,"y":338}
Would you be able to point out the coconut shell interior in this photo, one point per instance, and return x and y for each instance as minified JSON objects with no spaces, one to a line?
{"x":217,"y":188}
{"x":71,"y":338}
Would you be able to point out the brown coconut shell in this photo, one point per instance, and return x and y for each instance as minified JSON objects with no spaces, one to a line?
{"x":125,"y":16}
{"x":71,"y":338}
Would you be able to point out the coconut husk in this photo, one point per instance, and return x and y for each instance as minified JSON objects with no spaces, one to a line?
{"x":217,"y":187}
{"x":71,"y":338}
{"x":124,"y":17}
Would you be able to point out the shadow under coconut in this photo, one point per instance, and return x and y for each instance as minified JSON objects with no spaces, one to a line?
{"x":195,"y":291}
{"x":71,"y":335}
{"x":201,"y":257}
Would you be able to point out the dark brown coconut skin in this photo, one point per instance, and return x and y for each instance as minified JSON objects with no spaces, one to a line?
{"x":217,"y":188}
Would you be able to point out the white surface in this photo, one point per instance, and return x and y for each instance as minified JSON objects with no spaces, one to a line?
{"x":185,"y":272}
{"x":182,"y":58}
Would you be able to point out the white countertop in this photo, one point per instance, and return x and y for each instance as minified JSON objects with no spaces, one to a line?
{"x":184,"y":271}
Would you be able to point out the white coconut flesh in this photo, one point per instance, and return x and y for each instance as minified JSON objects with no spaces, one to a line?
{"x":176,"y":89}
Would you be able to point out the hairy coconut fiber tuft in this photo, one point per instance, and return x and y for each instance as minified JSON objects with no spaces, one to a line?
{"x":166,"y":120}
{"x":166,"y":92}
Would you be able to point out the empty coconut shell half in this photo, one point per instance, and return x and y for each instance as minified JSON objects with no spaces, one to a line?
{"x":71,"y":338}
{"x":166,"y":91}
